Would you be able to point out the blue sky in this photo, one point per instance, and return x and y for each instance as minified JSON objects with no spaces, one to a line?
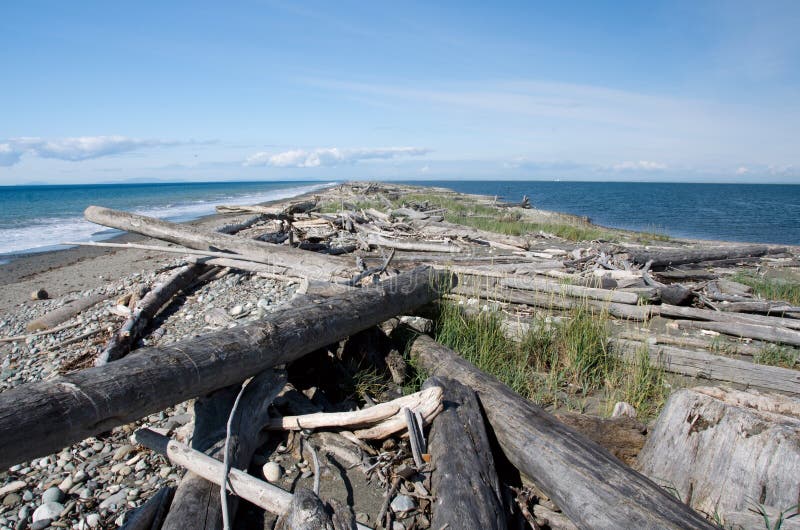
{"x":102,"y":92}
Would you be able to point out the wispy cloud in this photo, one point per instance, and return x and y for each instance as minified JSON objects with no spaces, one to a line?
{"x":640,"y":165}
{"x":330,"y":156}
{"x":74,"y":148}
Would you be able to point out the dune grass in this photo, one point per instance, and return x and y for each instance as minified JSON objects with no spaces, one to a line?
{"x":554,"y":364}
{"x":771,"y":288}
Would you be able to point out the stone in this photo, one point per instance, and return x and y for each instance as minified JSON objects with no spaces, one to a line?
{"x":12,"y":487}
{"x":93,"y":520}
{"x":48,"y":510}
{"x":123,"y":451}
{"x":52,"y":495}
{"x":236,"y":310}
{"x":622,"y":408}
{"x":41,"y":525}
{"x":39,"y":294}
{"x":11,"y":499}
{"x":116,"y":500}
{"x":216,"y":317}
{"x":272,"y":471}
{"x":403,"y":503}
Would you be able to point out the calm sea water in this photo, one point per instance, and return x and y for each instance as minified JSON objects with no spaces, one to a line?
{"x":762,"y":213}
{"x":38,"y":218}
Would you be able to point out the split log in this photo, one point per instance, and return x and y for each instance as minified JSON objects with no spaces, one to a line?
{"x":532,"y":284}
{"x":39,"y":418}
{"x":304,"y":263}
{"x":724,"y":455}
{"x":197,"y":501}
{"x":714,"y":367}
{"x":146,"y":309}
{"x":464,"y":477}
{"x":263,"y":494}
{"x":65,"y":312}
{"x":746,"y":330}
{"x":664,"y":259}
{"x":666,"y":310}
{"x":594,"y":489}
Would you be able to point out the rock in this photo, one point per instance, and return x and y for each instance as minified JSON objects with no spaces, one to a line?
{"x":216,"y":317}
{"x":117,"y":500}
{"x":66,"y":484}
{"x":123,"y":451}
{"x":52,"y":495}
{"x":622,"y":408}
{"x":11,"y":499}
{"x":403,"y":503}
{"x":272,"y":471}
{"x":48,"y":510}
{"x":41,"y":525}
{"x":24,"y":513}
{"x":93,"y":520}
{"x":39,"y":294}
{"x":236,"y":310}
{"x":12,"y":487}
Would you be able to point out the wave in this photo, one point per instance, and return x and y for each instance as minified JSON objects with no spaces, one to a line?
{"x":46,"y":233}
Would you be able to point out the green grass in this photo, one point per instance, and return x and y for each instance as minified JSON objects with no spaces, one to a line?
{"x":554,"y":364}
{"x":770,"y":288}
{"x":775,"y":355}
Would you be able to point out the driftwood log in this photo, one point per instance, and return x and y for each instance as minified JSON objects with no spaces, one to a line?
{"x":39,"y":418}
{"x":577,"y":291}
{"x":464,"y":477}
{"x":594,"y":489}
{"x":665,"y":258}
{"x":623,"y":436}
{"x":197,"y":501}
{"x":307,"y":264}
{"x":746,"y":330}
{"x":65,"y":312}
{"x":694,"y":313}
{"x":727,"y":451}
{"x":151,"y":514}
{"x":146,"y":309}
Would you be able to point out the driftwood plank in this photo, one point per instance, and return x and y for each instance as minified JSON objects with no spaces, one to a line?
{"x":39,"y":418}
{"x":65,"y":312}
{"x":666,"y":258}
{"x":594,"y":489}
{"x":464,"y":477}
{"x":577,"y":291}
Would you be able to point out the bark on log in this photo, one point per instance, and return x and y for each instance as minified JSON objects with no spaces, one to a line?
{"x":146,"y":309}
{"x":306,"y":512}
{"x":746,"y":330}
{"x":594,"y":489}
{"x":721,"y":456}
{"x":664,"y":259}
{"x":714,"y":367}
{"x":308,"y":264}
{"x":464,"y":477}
{"x":576,"y":291}
{"x":151,"y":514}
{"x":65,"y":312}
{"x":39,"y":418}
{"x":197,"y":502}
{"x":623,"y":436}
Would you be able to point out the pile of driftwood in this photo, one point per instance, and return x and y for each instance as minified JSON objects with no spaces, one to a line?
{"x":360,"y":271}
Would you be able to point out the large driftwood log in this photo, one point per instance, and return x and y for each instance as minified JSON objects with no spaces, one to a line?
{"x":151,"y":514}
{"x":445,"y":229}
{"x":65,"y":312}
{"x":576,"y":291}
{"x":594,"y":489}
{"x":39,"y":418}
{"x":623,"y":436}
{"x":306,"y":512}
{"x":665,"y":258}
{"x":377,"y":240}
{"x":694,"y":313}
{"x":125,"y":337}
{"x":308,"y":264}
{"x":722,"y":452}
{"x":706,"y":365}
{"x":746,"y":330}
{"x":464,"y":477}
{"x":197,"y":501}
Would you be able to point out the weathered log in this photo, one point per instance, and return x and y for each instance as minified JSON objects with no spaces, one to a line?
{"x":464,"y":477}
{"x":263,"y":494}
{"x":576,"y":291}
{"x":761,"y":306}
{"x":377,"y":240}
{"x":594,"y":489}
{"x":39,"y":418}
{"x":146,"y":309}
{"x":445,"y":229}
{"x":65,"y":312}
{"x":714,"y":367}
{"x":725,"y":455}
{"x":309,"y":264}
{"x":623,"y":436}
{"x":151,"y":514}
{"x":746,"y":330}
{"x":672,"y":311}
{"x":666,"y":258}
{"x":197,"y":501}
{"x":306,"y":512}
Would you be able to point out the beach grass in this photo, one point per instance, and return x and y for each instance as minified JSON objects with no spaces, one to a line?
{"x":771,"y":288}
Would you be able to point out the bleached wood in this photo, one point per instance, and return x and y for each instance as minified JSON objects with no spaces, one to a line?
{"x":65,"y":312}
{"x":575,"y":291}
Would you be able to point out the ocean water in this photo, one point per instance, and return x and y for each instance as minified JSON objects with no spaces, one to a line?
{"x":38,"y":218}
{"x":759,"y":213}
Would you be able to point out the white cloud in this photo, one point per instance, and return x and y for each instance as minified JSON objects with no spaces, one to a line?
{"x":641,"y":165}
{"x":73,"y":149}
{"x":330,"y":156}
{"x":742,"y":170}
